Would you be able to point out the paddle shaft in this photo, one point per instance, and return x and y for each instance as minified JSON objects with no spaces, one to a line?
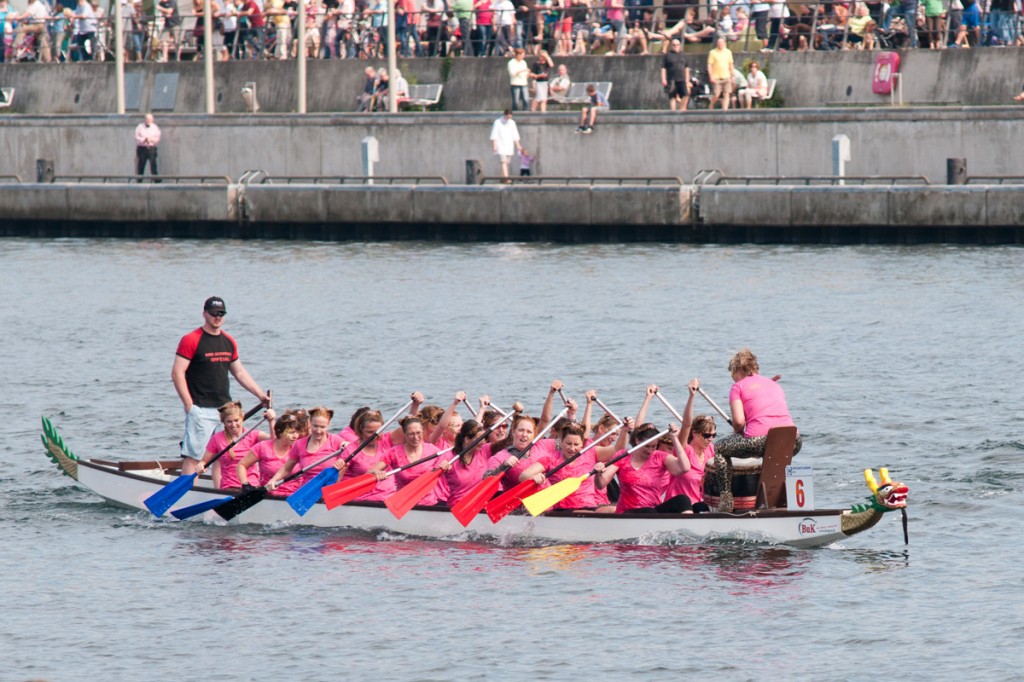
{"x":605,"y":408}
{"x":421,"y":460}
{"x":631,"y":450}
{"x":585,"y":450}
{"x":715,"y":405}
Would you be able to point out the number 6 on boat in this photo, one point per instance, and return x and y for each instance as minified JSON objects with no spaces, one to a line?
{"x":799,"y":488}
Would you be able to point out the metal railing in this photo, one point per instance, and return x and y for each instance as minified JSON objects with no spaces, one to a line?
{"x":145,"y":179}
{"x":995,"y":180}
{"x":353,"y":180}
{"x":584,"y":181}
{"x":815,"y":180}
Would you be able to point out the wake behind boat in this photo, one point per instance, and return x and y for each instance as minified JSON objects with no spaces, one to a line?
{"x":130,"y":483}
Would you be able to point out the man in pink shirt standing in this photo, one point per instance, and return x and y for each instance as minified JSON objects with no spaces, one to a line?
{"x":147,"y":137}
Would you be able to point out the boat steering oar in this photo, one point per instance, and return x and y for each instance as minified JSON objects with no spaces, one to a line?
{"x":343,"y":492}
{"x":470,"y":505}
{"x":541,"y":501}
{"x":163,"y":499}
{"x":504,"y":504}
{"x":408,"y":497}
{"x":303,"y":499}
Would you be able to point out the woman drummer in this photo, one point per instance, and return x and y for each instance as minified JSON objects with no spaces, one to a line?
{"x":270,"y":455}
{"x":757,"y":404}
{"x":224,"y":471}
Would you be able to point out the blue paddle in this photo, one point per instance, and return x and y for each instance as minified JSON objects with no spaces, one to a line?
{"x":192,"y":510}
{"x":303,"y":499}
{"x":163,"y":499}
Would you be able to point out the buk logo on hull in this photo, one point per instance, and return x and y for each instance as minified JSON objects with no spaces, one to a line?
{"x":808,"y":527}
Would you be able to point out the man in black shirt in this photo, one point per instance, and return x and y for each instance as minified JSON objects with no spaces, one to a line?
{"x":675,"y":76}
{"x":202,"y":362}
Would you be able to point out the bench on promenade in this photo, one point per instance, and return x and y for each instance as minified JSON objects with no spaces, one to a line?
{"x":577,"y":93}
{"x":423,"y":96}
{"x":760,"y":101}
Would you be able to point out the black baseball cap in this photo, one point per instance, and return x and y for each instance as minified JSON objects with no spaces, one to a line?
{"x":214,"y":304}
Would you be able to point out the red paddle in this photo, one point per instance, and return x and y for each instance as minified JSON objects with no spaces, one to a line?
{"x":470,"y":505}
{"x":504,"y":504}
{"x":408,"y":497}
{"x":348,"y":490}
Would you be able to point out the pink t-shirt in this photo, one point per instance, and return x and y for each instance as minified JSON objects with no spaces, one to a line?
{"x":229,"y":460}
{"x":691,"y":483}
{"x":764,"y":404}
{"x":586,"y":497}
{"x":299,"y":452}
{"x":544,"y":452}
{"x":396,"y":457}
{"x":461,"y":479}
{"x":269,"y":463}
{"x":362,"y":463}
{"x":643,"y":487}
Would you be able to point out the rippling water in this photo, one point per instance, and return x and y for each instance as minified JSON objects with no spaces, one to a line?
{"x":890,"y":356}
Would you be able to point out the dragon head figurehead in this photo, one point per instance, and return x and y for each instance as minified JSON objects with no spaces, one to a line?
{"x":887,"y":495}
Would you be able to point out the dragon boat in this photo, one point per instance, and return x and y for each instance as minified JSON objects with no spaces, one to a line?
{"x":130,"y":483}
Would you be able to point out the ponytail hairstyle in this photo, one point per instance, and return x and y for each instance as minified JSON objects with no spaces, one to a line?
{"x":321,"y":412}
{"x":367,"y":417}
{"x":406,"y":422}
{"x":642,"y":433}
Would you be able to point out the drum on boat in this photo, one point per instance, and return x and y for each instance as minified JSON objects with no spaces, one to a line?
{"x":746,"y":474}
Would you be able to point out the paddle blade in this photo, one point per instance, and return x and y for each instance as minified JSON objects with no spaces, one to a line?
{"x":540,"y":502}
{"x":504,"y":504}
{"x":303,"y":499}
{"x":408,"y":497}
{"x":470,"y":505}
{"x":193,"y":510}
{"x":345,"y":491}
{"x":163,"y":499}
{"x":233,"y":508}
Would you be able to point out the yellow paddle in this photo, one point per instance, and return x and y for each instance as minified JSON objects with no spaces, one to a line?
{"x":541,"y":501}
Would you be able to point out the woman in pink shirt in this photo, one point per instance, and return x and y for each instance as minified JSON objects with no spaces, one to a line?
{"x":270,"y":455}
{"x":370,"y":458}
{"x":699,"y":449}
{"x":757,"y":404}
{"x":569,"y":445}
{"x":225,"y":468}
{"x":524,"y":427}
{"x":644,"y":476}
{"x":462,"y":475}
{"x":314,"y":447}
{"x":412,"y":450}
{"x":445,"y":428}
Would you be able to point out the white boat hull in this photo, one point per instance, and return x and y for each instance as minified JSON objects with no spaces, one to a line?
{"x":813,"y":529}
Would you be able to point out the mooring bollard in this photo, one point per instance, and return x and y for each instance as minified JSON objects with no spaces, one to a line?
{"x":474,"y":172}
{"x":956,"y":171}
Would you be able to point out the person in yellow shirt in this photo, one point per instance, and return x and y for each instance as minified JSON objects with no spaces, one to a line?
{"x":720,"y":66}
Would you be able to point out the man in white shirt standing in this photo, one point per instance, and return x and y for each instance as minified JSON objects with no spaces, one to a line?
{"x":147,"y":137}
{"x":505,"y":140}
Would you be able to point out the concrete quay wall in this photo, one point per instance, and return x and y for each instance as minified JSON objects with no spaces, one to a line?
{"x":905,"y":141}
{"x":692,"y":214}
{"x":805,"y":79}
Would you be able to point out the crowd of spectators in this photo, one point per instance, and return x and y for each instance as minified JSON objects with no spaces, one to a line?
{"x":350,"y":29}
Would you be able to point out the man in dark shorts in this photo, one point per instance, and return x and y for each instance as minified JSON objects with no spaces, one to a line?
{"x":200,"y":375}
{"x":675,"y":76}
